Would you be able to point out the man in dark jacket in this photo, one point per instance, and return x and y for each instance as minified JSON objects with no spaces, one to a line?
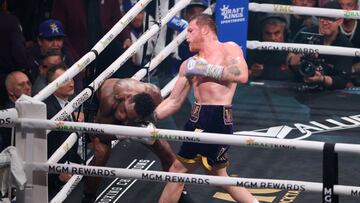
{"x":335,"y":71}
{"x":54,"y":104}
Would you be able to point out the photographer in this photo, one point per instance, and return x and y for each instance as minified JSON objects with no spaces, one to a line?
{"x":330,"y":72}
{"x":270,"y":64}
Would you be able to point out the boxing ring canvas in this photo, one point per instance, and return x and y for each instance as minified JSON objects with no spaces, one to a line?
{"x":280,"y":107}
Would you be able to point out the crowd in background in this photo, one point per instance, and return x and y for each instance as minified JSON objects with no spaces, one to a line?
{"x":317,"y":71}
{"x":39,"y":34}
{"x":40,"y":38}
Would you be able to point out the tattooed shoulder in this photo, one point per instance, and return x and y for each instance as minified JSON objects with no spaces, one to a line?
{"x":233,"y":67}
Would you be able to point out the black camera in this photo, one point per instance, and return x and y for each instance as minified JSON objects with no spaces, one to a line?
{"x":310,"y":38}
{"x":309,"y":65}
{"x":309,"y":62}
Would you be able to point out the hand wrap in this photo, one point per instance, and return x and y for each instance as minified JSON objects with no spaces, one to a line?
{"x":200,"y":67}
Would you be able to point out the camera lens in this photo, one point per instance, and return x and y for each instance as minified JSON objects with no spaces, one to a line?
{"x":307,"y":69}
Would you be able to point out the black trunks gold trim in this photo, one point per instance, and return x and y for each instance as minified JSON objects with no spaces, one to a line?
{"x":228,"y":118}
{"x":195,"y":112}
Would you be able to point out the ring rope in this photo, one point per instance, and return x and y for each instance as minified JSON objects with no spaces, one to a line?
{"x":71,"y":140}
{"x":62,"y":150}
{"x":86,"y":93}
{"x":121,"y":60}
{"x":69,"y":186}
{"x":77,"y":67}
{"x":188,"y":136}
{"x":301,"y":10}
{"x":160,"y":176}
{"x":337,"y":54}
{"x":161,"y":56}
{"x":136,"y":76}
{"x":74,"y":180}
{"x":82,"y":63}
{"x":304,"y":48}
{"x":168,"y":87}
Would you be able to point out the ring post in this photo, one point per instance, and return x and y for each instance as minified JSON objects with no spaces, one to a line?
{"x":330,"y":173}
{"x":32,"y":147}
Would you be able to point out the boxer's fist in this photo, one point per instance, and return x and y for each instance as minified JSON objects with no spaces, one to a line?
{"x":200,"y":67}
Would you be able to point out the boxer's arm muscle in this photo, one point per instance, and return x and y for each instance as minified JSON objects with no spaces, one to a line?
{"x":171,"y":104}
{"x":236,"y":69}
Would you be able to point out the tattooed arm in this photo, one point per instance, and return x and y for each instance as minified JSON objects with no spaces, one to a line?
{"x":233,"y":69}
{"x":236,"y":69}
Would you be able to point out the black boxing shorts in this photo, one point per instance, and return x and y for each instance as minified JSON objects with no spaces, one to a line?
{"x":212,"y":119}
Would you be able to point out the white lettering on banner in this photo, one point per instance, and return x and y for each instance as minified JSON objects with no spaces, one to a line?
{"x":278,"y":131}
{"x":306,"y":130}
{"x":327,"y":195}
{"x":232,"y":15}
{"x":120,"y":185}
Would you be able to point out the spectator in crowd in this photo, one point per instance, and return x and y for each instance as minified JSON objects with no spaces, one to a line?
{"x":51,"y":58}
{"x":134,"y":30}
{"x":51,"y":36}
{"x":17,"y":83}
{"x":131,"y":34}
{"x":268,"y":64}
{"x":254,"y":28}
{"x":144,"y":20}
{"x":54,"y":104}
{"x":336,"y":69}
{"x":297,"y":22}
{"x":12,"y":48}
{"x":351,"y":29}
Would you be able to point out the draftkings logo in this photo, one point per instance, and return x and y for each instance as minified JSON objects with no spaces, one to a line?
{"x":351,"y":13}
{"x":232,"y":15}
